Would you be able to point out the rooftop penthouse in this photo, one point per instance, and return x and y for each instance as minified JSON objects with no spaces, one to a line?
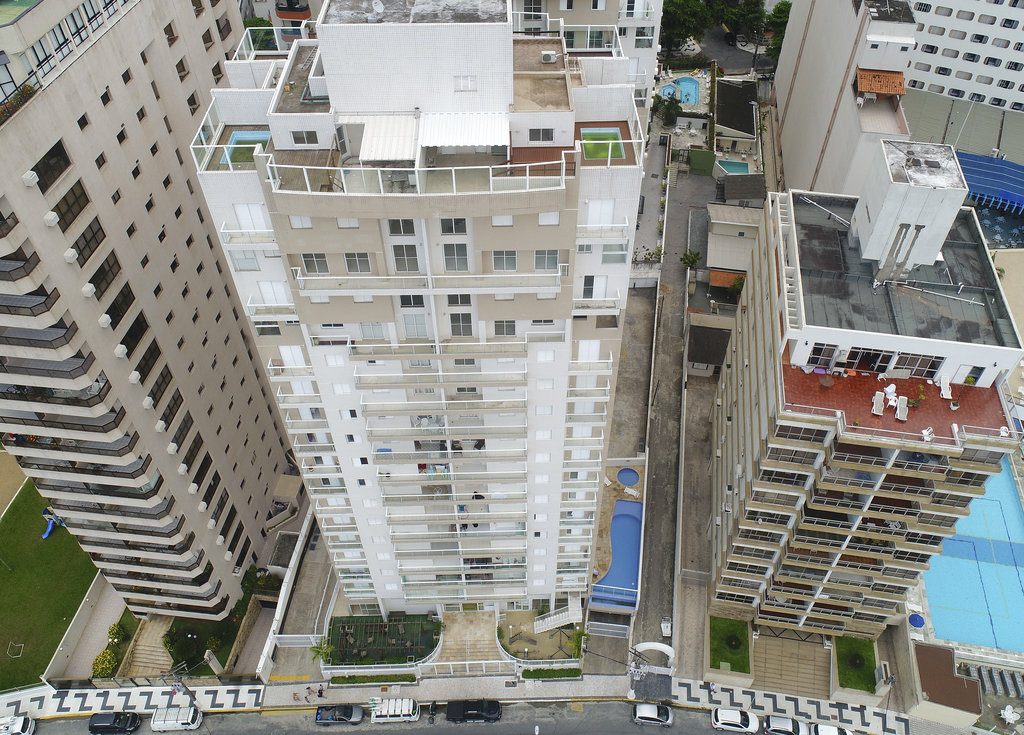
{"x":888,"y":11}
{"x":956,"y":299}
{"x":414,"y":11}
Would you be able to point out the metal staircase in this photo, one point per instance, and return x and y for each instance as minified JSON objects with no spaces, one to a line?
{"x":571,"y":613}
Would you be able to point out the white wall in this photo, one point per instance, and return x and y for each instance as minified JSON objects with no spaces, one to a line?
{"x":563,"y":122}
{"x":420,"y":62}
{"x":243,"y":106}
{"x":282,"y":126}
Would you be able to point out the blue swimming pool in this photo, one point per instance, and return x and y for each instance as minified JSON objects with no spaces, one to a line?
{"x":735,"y":167}
{"x":684,"y":89}
{"x":618,"y":588}
{"x":243,"y":139}
{"x":628,"y":476}
{"x":975,"y":587}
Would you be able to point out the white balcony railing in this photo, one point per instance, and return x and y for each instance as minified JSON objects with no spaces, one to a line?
{"x":594,"y":305}
{"x":258,"y":308}
{"x":246,"y":237}
{"x":613,"y":231}
{"x":341,"y":285}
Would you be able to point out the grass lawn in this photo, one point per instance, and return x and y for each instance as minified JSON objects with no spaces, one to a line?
{"x":730,"y":643}
{"x":367,"y":639}
{"x":855,"y":659}
{"x":130,"y":625}
{"x":241,"y":153}
{"x":43,"y":584}
{"x":595,"y":147}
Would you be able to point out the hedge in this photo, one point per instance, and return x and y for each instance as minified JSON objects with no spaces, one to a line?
{"x":375,"y":679}
{"x":552,"y":673}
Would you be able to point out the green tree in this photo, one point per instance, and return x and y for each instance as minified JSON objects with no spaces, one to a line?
{"x":776,"y":23}
{"x":747,"y":17}
{"x":104,"y":664}
{"x":322,"y":651}
{"x":683,"y":19}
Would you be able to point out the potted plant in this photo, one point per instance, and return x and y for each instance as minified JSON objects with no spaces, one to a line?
{"x":955,"y":403}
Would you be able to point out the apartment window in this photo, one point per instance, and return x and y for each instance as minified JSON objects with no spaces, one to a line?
{"x":105,"y":274}
{"x":1010,"y":23}
{"x":993,"y":61}
{"x":357,"y":262}
{"x":415,"y":325}
{"x":460,"y":299}
{"x":83,"y":122}
{"x":584,"y":248}
{"x":304,"y":137}
{"x":148,"y":360}
{"x":504,"y":260}
{"x":944,"y":71}
{"x":822,"y":355}
{"x":267,"y":329}
{"x":217,"y":72}
{"x":71,"y":205}
{"x":405,"y":258}
{"x":120,"y":304}
{"x":997,"y":102}
{"x":505,"y":328}
{"x":972,"y":57}
{"x":453,"y":226}
{"x":644,"y":37}
{"x":929,"y":48}
{"x":462,"y":325}
{"x":954,"y":92}
{"x":616,"y":252}
{"x":545,"y":260}
{"x":979,"y":38}
{"x":975,"y":97}
{"x":923,"y":7}
{"x":501,"y":220}
{"x":920,"y":366}
{"x":944,"y":11}
{"x":244,"y":260}
{"x":300,"y":222}
{"x":456,"y":257}
{"x":171,"y":34}
{"x":1014,"y":66}
{"x":542,"y":135}
{"x":411,"y":301}
{"x":465,"y":82}
{"x":371,"y":330}
{"x":51,"y":166}
{"x":401,"y":227}
{"x":89,"y":240}
{"x":315,"y":263}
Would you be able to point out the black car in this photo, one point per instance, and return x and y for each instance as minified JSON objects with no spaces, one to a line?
{"x":114,"y":723}
{"x":474,"y":710}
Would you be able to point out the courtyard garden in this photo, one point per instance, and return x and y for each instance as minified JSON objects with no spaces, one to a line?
{"x":730,"y":644}
{"x":369,"y":639}
{"x":44,"y":582}
{"x":855,"y":660}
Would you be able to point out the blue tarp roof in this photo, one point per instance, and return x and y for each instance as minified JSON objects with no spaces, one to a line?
{"x":992,"y":181}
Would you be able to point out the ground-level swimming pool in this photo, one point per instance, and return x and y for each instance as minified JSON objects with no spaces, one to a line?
{"x":618,"y":587}
{"x":975,"y":587}
{"x":735,"y":167}
{"x":684,"y":89}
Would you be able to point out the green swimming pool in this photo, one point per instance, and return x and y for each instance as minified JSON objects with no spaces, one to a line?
{"x":600,"y":142}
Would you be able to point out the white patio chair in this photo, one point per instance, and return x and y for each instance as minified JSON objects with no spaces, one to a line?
{"x":902,"y":408}
{"x":878,"y":403}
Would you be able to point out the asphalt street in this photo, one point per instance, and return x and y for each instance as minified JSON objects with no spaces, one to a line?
{"x":591,"y":718}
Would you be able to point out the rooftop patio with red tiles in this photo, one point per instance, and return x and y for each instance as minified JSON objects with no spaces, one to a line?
{"x":853,"y":394}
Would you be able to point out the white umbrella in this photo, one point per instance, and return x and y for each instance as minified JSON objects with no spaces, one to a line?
{"x":1009,"y":714}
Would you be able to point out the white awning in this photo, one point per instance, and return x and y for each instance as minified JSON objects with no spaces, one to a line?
{"x":385,"y":137}
{"x":465,"y":129}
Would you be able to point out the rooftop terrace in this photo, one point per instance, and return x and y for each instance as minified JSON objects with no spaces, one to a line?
{"x":891,"y":11}
{"x":415,"y":11}
{"x":923,"y":164}
{"x":956,"y":299}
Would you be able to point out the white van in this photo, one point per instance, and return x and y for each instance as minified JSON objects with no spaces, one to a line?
{"x":396,"y":710}
{"x":173,"y":719}
{"x":17,"y":726}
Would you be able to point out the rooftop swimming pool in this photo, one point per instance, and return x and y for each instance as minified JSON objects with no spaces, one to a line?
{"x":975,"y":587}
{"x":602,"y":143}
{"x":239,"y":146}
{"x":618,"y":587}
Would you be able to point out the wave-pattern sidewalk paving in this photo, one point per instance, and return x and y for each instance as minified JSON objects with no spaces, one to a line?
{"x":45,"y":702}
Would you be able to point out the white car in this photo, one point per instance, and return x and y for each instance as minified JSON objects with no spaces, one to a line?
{"x":774,"y":725}
{"x":829,"y":730}
{"x":734,"y":720}
{"x":652,"y":714}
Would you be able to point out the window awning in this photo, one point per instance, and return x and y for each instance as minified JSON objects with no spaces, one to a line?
{"x":880,"y":82}
{"x":464,"y":129}
{"x":385,"y":137}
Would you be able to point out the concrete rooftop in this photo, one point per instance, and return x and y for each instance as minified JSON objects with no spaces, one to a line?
{"x":415,"y":11}
{"x":924,"y":164}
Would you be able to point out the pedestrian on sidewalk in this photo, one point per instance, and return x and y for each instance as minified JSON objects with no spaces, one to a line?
{"x":713,"y":688}
{"x":295,"y":696}
{"x":320,"y":692}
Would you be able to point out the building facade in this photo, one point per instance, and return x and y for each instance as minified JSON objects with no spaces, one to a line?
{"x":838,"y":89}
{"x":127,"y":392}
{"x":970,"y":50}
{"x":862,"y":405}
{"x":437,"y":276}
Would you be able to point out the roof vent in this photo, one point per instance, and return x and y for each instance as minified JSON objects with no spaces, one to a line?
{"x":932,"y":163}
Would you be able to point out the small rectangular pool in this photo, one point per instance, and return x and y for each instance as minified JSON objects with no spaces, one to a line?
{"x":602,"y":143}
{"x":735,"y":167}
{"x":239,"y":145}
{"x":975,"y":587}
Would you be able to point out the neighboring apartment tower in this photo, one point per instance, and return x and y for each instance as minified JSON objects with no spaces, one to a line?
{"x":437,"y":272}
{"x":127,"y":393}
{"x":862,"y":405}
{"x":838,"y":88}
{"x":970,"y":50}
{"x":627,"y":27}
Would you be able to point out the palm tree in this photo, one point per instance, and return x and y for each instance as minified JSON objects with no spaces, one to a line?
{"x":322,"y":651}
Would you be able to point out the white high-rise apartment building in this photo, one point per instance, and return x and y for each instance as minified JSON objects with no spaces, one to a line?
{"x":629,"y":28}
{"x":970,"y":49}
{"x":126,"y":391}
{"x":436,"y":266}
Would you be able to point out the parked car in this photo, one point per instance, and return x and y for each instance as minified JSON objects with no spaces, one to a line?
{"x":829,"y":730}
{"x":775,"y":725}
{"x":734,"y":720}
{"x":652,"y":714}
{"x":114,"y":723}
{"x":339,"y":714}
{"x":473,"y":710}
{"x":17,"y":726}
{"x":176,"y":719}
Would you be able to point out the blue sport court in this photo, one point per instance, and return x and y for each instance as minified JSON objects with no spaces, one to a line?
{"x":975,"y":587}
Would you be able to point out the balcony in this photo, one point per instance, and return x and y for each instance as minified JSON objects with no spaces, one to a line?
{"x":297,"y":10}
{"x":298,"y":400}
{"x":601,"y":233}
{"x":277,"y":371}
{"x":246,"y":238}
{"x":258,"y":308}
{"x":302,"y":426}
{"x":396,"y":285}
{"x":597,"y":306}
{"x":413,"y":380}
{"x":450,"y":406}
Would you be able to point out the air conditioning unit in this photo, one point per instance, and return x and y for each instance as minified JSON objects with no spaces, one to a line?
{"x":726,"y":508}
{"x":51,"y":219}
{"x":548,"y":57}
{"x":30,"y":178}
{"x":718,"y":453}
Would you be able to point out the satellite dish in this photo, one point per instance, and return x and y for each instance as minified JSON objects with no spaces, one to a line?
{"x":378,"y":7}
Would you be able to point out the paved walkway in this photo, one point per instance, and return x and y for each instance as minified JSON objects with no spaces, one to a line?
{"x":470,"y":636}
{"x":787,"y":663}
{"x":94,"y":638}
{"x":45,"y":702}
{"x":253,"y":648}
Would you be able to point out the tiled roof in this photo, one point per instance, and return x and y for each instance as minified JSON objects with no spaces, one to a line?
{"x":881,"y":82}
